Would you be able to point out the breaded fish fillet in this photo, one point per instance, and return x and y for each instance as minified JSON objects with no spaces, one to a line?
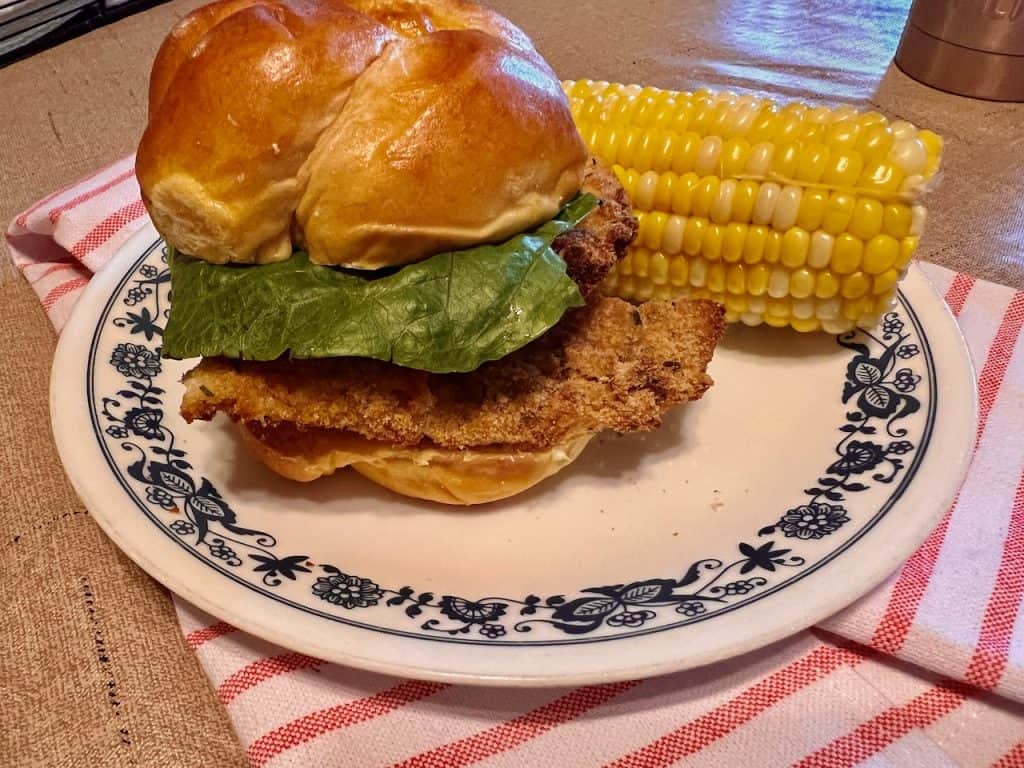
{"x":609,"y":365}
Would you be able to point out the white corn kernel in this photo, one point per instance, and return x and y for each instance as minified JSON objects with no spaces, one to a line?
{"x":828,"y":309}
{"x":764,"y":206}
{"x":917,"y":219}
{"x":786,"y":208}
{"x":778,"y":283}
{"x":821,"y":249}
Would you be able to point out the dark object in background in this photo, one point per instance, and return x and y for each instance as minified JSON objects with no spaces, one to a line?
{"x":969,"y":47}
{"x":30,"y":26}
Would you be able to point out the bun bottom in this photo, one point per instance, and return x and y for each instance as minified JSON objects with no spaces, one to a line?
{"x":470,"y":476}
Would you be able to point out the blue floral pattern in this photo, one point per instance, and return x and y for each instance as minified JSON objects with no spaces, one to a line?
{"x":873,"y":448}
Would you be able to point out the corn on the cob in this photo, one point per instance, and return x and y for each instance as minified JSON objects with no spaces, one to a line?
{"x":787,"y":215}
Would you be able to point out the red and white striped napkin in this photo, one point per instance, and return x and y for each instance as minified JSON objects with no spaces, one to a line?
{"x":927,"y":670}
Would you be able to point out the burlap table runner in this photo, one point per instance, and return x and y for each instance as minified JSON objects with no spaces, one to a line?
{"x":95,"y":670}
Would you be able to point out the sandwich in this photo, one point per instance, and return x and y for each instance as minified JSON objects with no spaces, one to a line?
{"x":387,"y":243}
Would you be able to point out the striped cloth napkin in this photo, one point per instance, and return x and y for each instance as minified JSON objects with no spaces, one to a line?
{"x":927,"y":670}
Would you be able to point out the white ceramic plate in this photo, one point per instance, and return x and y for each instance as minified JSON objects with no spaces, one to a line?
{"x":811,"y":469}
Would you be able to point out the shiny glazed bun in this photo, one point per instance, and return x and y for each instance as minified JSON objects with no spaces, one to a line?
{"x":370,"y":132}
{"x":460,"y":477}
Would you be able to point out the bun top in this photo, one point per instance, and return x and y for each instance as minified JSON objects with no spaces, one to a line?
{"x":371,"y":132}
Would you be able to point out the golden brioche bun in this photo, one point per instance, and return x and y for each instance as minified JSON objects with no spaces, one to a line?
{"x":371,"y":132}
{"x":470,"y":476}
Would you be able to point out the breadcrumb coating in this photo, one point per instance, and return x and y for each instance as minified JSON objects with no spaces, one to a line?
{"x":610,"y":365}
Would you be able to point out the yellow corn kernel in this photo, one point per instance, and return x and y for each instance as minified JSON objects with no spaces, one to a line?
{"x":777,"y":321}
{"x":759,"y":162}
{"x":757,"y":279}
{"x":806,"y":325}
{"x":842,"y":136}
{"x":658,"y":267}
{"x":881,"y":252}
{"x":854,"y":286}
{"x":758,"y":304}
{"x":796,"y":244}
{"x":754,"y":245}
{"x":897,"y":219}
{"x":788,"y":127}
{"x":933,"y":143}
{"x":854,"y":308}
{"x":652,"y":228}
{"x":735,"y":152}
{"x":682,"y":193}
{"x":844,"y":170}
{"x":801,"y":283}
{"x":908,"y":247}
{"x":866,"y":221}
{"x":827,"y":285}
{"x":838,"y":212}
{"x":779,"y":307}
{"x":721,"y":208}
{"x":641,"y":262}
{"x":662,"y":198}
{"x":711,"y":247}
{"x":737,"y":304}
{"x":693,"y":235}
{"x":736,"y":281}
{"x":678,"y":271}
{"x":885,"y":282}
{"x":812,"y":209}
{"x":875,"y":141}
{"x":785,"y":160}
{"x":700,"y":293}
{"x":704,"y":196}
{"x":813,"y":161}
{"x":644,"y":290}
{"x":716,"y":277}
{"x":847,"y":254}
{"x":772,"y":246}
{"x":743,"y":201}
{"x":732,"y":242}
{"x":882,"y":178}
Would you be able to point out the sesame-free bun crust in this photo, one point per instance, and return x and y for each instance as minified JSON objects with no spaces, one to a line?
{"x":371,"y":132}
{"x":470,"y":476}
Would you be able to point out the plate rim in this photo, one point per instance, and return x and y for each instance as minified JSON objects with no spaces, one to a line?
{"x":143,"y":239}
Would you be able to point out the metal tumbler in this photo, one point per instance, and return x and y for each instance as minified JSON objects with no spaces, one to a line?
{"x":969,"y":47}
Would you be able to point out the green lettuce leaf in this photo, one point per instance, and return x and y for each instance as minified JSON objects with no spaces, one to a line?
{"x":449,"y":313}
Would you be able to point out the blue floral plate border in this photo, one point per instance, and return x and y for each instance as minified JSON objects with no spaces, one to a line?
{"x":893,"y":431}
